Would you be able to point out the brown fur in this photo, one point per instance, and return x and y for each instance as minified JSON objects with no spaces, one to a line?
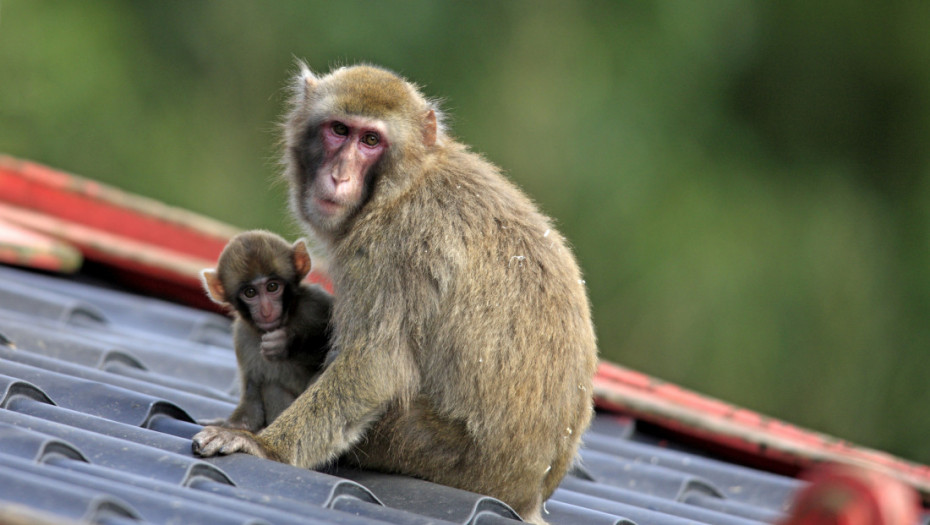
{"x":466,"y":348}
{"x":268,"y":387}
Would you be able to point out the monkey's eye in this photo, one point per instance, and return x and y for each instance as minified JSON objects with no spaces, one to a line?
{"x":249,"y":292}
{"x":272,"y":286}
{"x":340,"y":129}
{"x":371,"y":139}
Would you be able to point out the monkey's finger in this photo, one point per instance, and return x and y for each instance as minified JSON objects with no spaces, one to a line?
{"x":205,"y":442}
{"x":231,"y":446}
{"x":212,"y":448}
{"x":197,"y":447}
{"x":275,"y":335}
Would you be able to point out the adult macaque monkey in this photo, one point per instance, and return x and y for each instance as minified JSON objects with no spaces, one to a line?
{"x":466,"y":348}
{"x":281,"y":327}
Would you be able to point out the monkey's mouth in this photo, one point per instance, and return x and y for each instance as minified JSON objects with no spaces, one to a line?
{"x":327,"y":206}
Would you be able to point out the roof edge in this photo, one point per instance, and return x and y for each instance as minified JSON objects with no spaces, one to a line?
{"x":738,"y":430}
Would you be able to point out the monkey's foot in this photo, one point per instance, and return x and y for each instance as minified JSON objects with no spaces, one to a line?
{"x":212,"y":441}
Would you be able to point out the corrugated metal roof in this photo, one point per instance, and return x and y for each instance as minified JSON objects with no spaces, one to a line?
{"x":100,"y":390}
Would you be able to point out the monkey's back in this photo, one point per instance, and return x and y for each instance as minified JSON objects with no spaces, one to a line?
{"x":495,"y":310}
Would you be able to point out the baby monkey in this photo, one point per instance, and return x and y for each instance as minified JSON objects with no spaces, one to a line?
{"x":281,"y":328}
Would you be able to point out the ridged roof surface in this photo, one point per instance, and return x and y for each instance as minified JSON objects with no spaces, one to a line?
{"x":100,"y":390}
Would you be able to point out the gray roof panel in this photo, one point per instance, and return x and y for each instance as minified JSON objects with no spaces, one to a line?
{"x":100,"y":391}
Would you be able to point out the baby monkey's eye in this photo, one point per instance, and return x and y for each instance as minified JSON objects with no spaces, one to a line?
{"x":272,"y":286}
{"x":249,"y":292}
{"x":340,"y":129}
{"x":371,"y":139}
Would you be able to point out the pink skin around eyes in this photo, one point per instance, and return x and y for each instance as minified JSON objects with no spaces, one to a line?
{"x":265,"y":304}
{"x":352,"y":146}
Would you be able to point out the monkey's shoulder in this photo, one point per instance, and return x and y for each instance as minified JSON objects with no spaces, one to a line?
{"x":313,"y":307}
{"x":313,"y":296}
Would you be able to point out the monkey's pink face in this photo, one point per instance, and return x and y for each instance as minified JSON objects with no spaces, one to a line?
{"x":264,"y":299}
{"x":351,"y":146}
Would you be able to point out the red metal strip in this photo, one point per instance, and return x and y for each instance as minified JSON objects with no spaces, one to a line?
{"x":137,"y":241}
{"x":741,"y":431}
{"x":85,"y":202}
{"x":22,"y":247}
{"x":845,"y":495}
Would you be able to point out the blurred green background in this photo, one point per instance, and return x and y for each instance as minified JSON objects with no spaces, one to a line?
{"x":746,"y":184}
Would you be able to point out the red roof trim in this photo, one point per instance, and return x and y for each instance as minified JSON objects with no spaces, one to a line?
{"x":24,"y":247}
{"x":743,"y":431}
{"x":84,"y":202}
{"x":144,"y":243}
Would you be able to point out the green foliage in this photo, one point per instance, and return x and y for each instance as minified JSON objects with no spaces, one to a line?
{"x":746,"y":184}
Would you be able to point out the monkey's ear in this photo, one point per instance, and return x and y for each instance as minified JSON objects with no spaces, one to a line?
{"x":301,"y":259}
{"x":306,"y":80}
{"x":213,"y":286}
{"x":429,"y":128}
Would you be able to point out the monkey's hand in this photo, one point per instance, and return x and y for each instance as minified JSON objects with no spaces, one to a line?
{"x":274,"y":345}
{"x":212,"y":441}
{"x":239,"y":424}
{"x":215,"y":422}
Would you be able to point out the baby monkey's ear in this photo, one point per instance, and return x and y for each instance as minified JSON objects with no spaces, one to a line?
{"x":301,"y":259}
{"x":213,"y":286}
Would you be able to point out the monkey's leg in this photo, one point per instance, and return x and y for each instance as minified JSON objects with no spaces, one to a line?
{"x":412,"y":441}
{"x":249,"y":414}
{"x":418,"y":442}
{"x":275,"y":398}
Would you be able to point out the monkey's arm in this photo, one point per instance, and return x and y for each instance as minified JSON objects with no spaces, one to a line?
{"x":331,"y":415}
{"x":250,"y":412}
